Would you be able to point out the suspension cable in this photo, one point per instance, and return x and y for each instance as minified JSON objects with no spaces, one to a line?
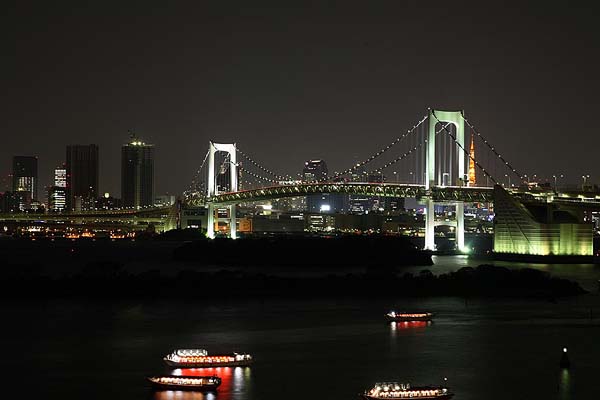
{"x":380,"y":152}
{"x":262,"y":168}
{"x":199,"y":170}
{"x":492,"y":148}
{"x":403,"y":156}
{"x":254,"y":175}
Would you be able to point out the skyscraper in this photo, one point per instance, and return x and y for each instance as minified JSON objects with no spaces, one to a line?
{"x":57,"y":194}
{"x":82,"y":176}
{"x":314,"y":170}
{"x":25,"y":176}
{"x":137,"y":173}
{"x":60,"y":176}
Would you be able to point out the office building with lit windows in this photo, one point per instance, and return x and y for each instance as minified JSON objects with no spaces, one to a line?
{"x":25,"y":176}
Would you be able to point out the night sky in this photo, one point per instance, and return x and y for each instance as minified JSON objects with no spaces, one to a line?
{"x":331,"y":80}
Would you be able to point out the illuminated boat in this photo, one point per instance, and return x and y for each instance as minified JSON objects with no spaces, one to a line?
{"x":183,"y":382}
{"x":199,"y":358}
{"x":395,"y":390}
{"x":394,"y":316}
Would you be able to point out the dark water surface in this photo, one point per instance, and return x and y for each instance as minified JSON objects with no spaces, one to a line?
{"x":319,"y":348}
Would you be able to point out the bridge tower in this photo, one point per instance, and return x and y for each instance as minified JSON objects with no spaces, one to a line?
{"x":455,"y":118}
{"x":213,"y":189}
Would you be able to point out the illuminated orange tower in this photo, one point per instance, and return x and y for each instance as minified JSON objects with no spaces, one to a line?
{"x":472,"y":177}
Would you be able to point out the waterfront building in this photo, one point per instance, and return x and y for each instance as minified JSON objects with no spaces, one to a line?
{"x":137,"y":173}
{"x":57,"y":198}
{"x":82,"y":176}
{"x":25,"y":177}
{"x":316,"y":171}
{"x":538,"y":229}
{"x":60,"y":176}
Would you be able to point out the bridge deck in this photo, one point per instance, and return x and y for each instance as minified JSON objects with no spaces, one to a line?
{"x":447,"y":193}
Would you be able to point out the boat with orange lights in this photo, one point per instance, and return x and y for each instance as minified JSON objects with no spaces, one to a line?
{"x":395,"y":390}
{"x":199,"y":358}
{"x":394,"y":316}
{"x":185,"y":382}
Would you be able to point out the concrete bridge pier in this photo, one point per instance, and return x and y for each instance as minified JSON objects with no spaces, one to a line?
{"x":430,"y":224}
{"x":210,"y":225}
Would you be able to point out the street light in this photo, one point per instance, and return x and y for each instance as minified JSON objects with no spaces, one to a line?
{"x":555,"y":177}
{"x":585,"y":178}
{"x":396,"y":175}
{"x":413,"y":177}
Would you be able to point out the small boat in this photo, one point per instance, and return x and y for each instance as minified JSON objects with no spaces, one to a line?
{"x":395,"y":390}
{"x":184,"y":382}
{"x":199,"y":358}
{"x":394,"y":316}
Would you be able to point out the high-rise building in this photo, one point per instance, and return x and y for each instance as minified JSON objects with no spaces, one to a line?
{"x":314,"y":171}
{"x":57,"y":198}
{"x":326,"y":203}
{"x":57,"y":194}
{"x":137,"y":173}
{"x":25,"y":176}
{"x":60,"y":176}
{"x":82,"y":176}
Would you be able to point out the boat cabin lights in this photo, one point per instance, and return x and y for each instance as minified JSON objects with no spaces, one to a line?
{"x":184,"y":380}
{"x":387,"y":386}
{"x":190,"y":352}
{"x":412,"y":315}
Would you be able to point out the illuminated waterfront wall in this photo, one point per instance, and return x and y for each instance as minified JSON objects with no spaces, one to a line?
{"x":517,"y":230}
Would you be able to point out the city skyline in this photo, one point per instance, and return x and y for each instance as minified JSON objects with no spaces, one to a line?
{"x":334,"y":81}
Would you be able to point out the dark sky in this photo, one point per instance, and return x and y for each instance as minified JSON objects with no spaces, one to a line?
{"x":331,"y":80}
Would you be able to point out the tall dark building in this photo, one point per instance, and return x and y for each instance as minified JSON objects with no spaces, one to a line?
{"x":314,"y":170}
{"x":82,"y":176}
{"x":137,"y":173}
{"x":25,"y":176}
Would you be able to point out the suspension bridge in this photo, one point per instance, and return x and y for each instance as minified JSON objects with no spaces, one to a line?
{"x":430,"y":162}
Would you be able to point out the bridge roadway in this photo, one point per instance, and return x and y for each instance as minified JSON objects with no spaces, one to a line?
{"x":438,"y":194}
{"x":578,"y":199}
{"x":97,"y":218}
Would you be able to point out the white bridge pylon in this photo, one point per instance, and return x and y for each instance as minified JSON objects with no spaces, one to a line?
{"x":213,"y":188}
{"x":455,"y":118}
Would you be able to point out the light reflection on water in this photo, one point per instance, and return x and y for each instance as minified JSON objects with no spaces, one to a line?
{"x":564,"y":385}
{"x":183,"y":395}
{"x":396,"y":326}
{"x":490,"y":348}
{"x":233,"y":381}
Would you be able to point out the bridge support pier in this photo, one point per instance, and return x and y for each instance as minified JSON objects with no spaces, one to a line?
{"x":212,"y":187}
{"x":460,"y":227}
{"x":210,"y":225}
{"x":232,"y":222}
{"x":430,"y":225}
{"x":455,"y":166}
